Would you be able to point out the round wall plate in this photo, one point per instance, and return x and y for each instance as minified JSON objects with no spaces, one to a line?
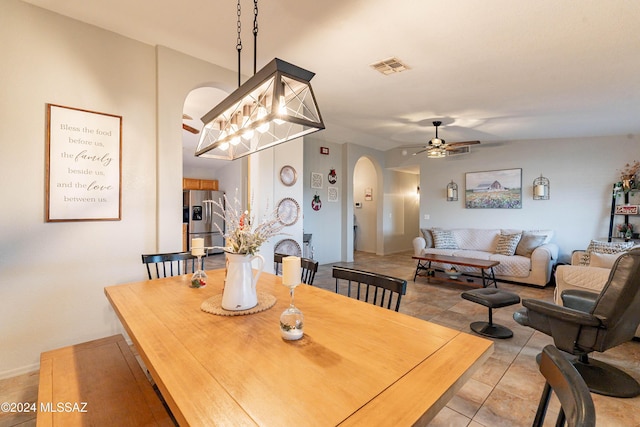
{"x":288,"y":175}
{"x":288,"y":247}
{"x":288,"y":211}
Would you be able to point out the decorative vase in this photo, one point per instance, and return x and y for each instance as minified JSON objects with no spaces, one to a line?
{"x":240,"y":282}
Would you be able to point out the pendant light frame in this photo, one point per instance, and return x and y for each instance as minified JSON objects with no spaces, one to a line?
{"x":275,"y":105}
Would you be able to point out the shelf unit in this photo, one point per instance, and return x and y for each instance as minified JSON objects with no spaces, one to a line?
{"x":630,"y":199}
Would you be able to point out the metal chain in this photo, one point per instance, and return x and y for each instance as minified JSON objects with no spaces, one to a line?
{"x":255,"y":17}
{"x":255,"y":34}
{"x":239,"y":41}
{"x":239,"y":24}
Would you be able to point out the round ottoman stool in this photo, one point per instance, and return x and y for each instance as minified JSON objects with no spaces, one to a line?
{"x":491,"y":298}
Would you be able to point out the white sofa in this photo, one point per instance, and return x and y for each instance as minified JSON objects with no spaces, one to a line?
{"x":591,"y":277}
{"x":532,"y":263}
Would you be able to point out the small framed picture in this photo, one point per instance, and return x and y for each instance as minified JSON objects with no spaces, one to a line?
{"x":316,"y":180}
{"x":332,"y":195}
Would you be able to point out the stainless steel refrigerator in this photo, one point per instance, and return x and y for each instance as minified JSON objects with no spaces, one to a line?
{"x":199,"y":214}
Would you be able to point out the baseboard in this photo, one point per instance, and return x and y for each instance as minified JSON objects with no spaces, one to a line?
{"x":20,"y":371}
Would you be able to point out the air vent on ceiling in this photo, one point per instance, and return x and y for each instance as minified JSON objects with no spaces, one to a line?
{"x":390,"y":66}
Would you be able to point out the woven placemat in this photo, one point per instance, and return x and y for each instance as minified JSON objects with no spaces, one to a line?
{"x":213,"y":305}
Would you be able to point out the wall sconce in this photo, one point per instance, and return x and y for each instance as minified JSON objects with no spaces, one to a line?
{"x":452,"y":192}
{"x":541,"y":188}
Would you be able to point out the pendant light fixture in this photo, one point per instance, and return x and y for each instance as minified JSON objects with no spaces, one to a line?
{"x":276,"y":105}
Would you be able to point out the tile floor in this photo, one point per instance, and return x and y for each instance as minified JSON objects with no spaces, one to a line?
{"x":504,"y":392}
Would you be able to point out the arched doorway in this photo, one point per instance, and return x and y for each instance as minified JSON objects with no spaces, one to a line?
{"x":366,"y":197}
{"x":197,"y":103}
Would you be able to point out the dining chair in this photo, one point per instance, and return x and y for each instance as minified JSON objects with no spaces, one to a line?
{"x":309,"y":269}
{"x":576,"y":404}
{"x":277,"y":263}
{"x":169,"y":264}
{"x":373,"y":288}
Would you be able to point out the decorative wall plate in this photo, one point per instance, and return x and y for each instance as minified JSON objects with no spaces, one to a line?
{"x":288,"y":211}
{"x":288,"y":247}
{"x":288,"y":175}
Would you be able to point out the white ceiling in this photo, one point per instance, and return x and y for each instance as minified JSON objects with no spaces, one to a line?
{"x":492,"y":70}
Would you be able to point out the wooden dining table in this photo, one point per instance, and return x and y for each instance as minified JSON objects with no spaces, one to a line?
{"x":357,"y":364}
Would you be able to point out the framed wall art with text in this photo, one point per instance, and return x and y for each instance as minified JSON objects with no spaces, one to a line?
{"x":84,"y":165}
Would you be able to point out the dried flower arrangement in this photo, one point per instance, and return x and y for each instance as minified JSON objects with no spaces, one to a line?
{"x":630,"y":170}
{"x":243,"y":234}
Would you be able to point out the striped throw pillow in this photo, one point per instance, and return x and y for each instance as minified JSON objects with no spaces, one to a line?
{"x":507,"y":244}
{"x":604,"y":248}
{"x":443,"y":239}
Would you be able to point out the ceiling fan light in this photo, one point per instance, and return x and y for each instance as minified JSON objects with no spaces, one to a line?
{"x":436,"y":142}
{"x":436,"y":153}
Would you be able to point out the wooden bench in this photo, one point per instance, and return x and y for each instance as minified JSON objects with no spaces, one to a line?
{"x":98,"y":383}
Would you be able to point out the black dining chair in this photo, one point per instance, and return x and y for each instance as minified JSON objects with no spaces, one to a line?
{"x":373,"y":288}
{"x":277,"y":263}
{"x":309,"y":269}
{"x":170,"y":264}
{"x":576,"y":404}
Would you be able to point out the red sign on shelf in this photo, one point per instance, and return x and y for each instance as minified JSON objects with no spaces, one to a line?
{"x":627,"y":209}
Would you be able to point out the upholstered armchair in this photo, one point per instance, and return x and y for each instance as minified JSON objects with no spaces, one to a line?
{"x":591,"y":321}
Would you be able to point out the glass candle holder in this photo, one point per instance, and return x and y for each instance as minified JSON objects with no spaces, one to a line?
{"x":292,"y":321}
{"x":199,"y":278}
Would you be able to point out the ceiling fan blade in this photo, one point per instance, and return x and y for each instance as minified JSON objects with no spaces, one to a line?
{"x":190,"y":129}
{"x":453,"y":145}
{"x":187,"y":117}
{"x":421,"y":151}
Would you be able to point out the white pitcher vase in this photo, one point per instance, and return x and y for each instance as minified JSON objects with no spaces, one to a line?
{"x":240,"y":282}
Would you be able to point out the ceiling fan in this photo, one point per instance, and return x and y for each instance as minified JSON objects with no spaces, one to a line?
{"x":438,"y":148}
{"x":187,"y":127}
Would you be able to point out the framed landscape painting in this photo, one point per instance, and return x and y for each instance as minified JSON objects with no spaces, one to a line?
{"x":498,"y":189}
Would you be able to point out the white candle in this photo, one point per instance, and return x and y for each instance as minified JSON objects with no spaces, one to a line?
{"x":197,"y":246}
{"x":291,"y":271}
{"x":540,"y":190}
{"x":450,"y":193}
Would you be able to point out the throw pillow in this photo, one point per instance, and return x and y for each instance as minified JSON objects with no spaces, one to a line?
{"x":528,"y":243}
{"x":507,"y":244}
{"x":603,"y":260}
{"x":604,"y":248}
{"x":443,"y":239}
{"x":426,"y":233}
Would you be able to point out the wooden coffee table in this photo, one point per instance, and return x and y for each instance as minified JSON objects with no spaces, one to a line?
{"x":486,"y":268}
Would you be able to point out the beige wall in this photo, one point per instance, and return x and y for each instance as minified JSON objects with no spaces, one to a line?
{"x":52,"y":275}
{"x":581,"y":173}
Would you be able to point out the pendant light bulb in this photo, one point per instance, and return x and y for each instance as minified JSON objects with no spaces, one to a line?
{"x":248,"y":134}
